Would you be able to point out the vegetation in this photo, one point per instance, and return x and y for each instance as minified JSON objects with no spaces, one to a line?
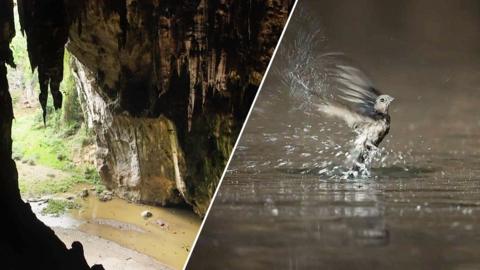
{"x":58,"y":207}
{"x":61,"y":185}
{"x":55,"y":146}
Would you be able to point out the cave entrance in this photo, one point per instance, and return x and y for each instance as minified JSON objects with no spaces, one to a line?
{"x":58,"y":176}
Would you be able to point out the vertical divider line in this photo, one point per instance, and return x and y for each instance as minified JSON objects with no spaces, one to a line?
{"x":240,"y":134}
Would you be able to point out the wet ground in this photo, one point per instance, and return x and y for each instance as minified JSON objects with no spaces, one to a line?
{"x":162,"y":241}
{"x":283,"y":205}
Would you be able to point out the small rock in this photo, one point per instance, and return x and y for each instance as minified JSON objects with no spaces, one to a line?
{"x":51,"y":175}
{"x":147,"y":214}
{"x":161,"y":223}
{"x":37,"y":200}
{"x":105,"y":196}
{"x":83,"y":193}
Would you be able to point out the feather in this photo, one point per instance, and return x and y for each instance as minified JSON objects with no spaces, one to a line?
{"x":351,"y":89}
{"x":329,"y":81}
{"x":351,"y":118}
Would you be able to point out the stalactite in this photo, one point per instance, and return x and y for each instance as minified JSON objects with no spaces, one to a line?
{"x":7,"y":32}
{"x":195,"y":62}
{"x":27,"y":243}
{"x":120,"y":8}
{"x":45,"y":24}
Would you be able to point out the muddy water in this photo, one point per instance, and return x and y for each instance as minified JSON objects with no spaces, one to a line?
{"x":167,"y":236}
{"x":282,"y":204}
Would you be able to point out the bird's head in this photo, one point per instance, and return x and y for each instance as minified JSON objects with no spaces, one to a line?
{"x":382,"y":103}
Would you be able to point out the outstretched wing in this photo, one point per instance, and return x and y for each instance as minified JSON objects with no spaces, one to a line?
{"x":349,"y":93}
{"x":327,"y":82}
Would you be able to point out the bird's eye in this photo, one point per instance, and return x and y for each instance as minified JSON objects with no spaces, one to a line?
{"x":382,"y":100}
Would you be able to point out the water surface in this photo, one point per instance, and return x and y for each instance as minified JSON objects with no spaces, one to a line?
{"x":282,"y":204}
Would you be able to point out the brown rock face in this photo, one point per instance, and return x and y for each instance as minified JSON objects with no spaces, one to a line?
{"x":170,"y":83}
{"x":176,"y":81}
{"x":138,"y":157}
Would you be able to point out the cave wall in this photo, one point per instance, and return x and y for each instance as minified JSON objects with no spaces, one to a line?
{"x":170,"y":82}
{"x":165,"y":68}
{"x":26,"y":243}
{"x":138,"y":157}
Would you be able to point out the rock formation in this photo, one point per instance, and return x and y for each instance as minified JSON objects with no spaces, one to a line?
{"x":166,"y":86}
{"x":26,"y":243}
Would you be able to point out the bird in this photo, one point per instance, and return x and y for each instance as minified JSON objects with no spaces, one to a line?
{"x":331,"y":83}
{"x":352,"y":97}
{"x":334,"y":86}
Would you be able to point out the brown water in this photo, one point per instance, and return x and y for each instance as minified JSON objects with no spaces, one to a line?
{"x":167,"y":236}
{"x":278,"y":209}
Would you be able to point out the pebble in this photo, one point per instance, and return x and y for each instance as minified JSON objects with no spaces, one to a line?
{"x":83,"y":193}
{"x":146,"y":214}
{"x":105,"y":196}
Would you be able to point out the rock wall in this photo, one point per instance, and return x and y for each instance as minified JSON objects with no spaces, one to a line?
{"x":138,"y":157}
{"x":26,"y":243}
{"x":172,"y":80}
{"x":172,"y":84}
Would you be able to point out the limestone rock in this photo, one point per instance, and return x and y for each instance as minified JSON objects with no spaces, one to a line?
{"x":166,"y":87}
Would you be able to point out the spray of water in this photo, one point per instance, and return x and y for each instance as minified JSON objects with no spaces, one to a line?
{"x":308,"y":143}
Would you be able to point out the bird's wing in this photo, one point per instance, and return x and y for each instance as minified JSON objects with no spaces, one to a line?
{"x":342,"y":112}
{"x":348,"y":93}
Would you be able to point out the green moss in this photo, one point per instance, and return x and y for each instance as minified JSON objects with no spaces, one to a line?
{"x":58,"y":207}
{"x":205,"y":172}
{"x":100,"y":188}
{"x":71,"y":110}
